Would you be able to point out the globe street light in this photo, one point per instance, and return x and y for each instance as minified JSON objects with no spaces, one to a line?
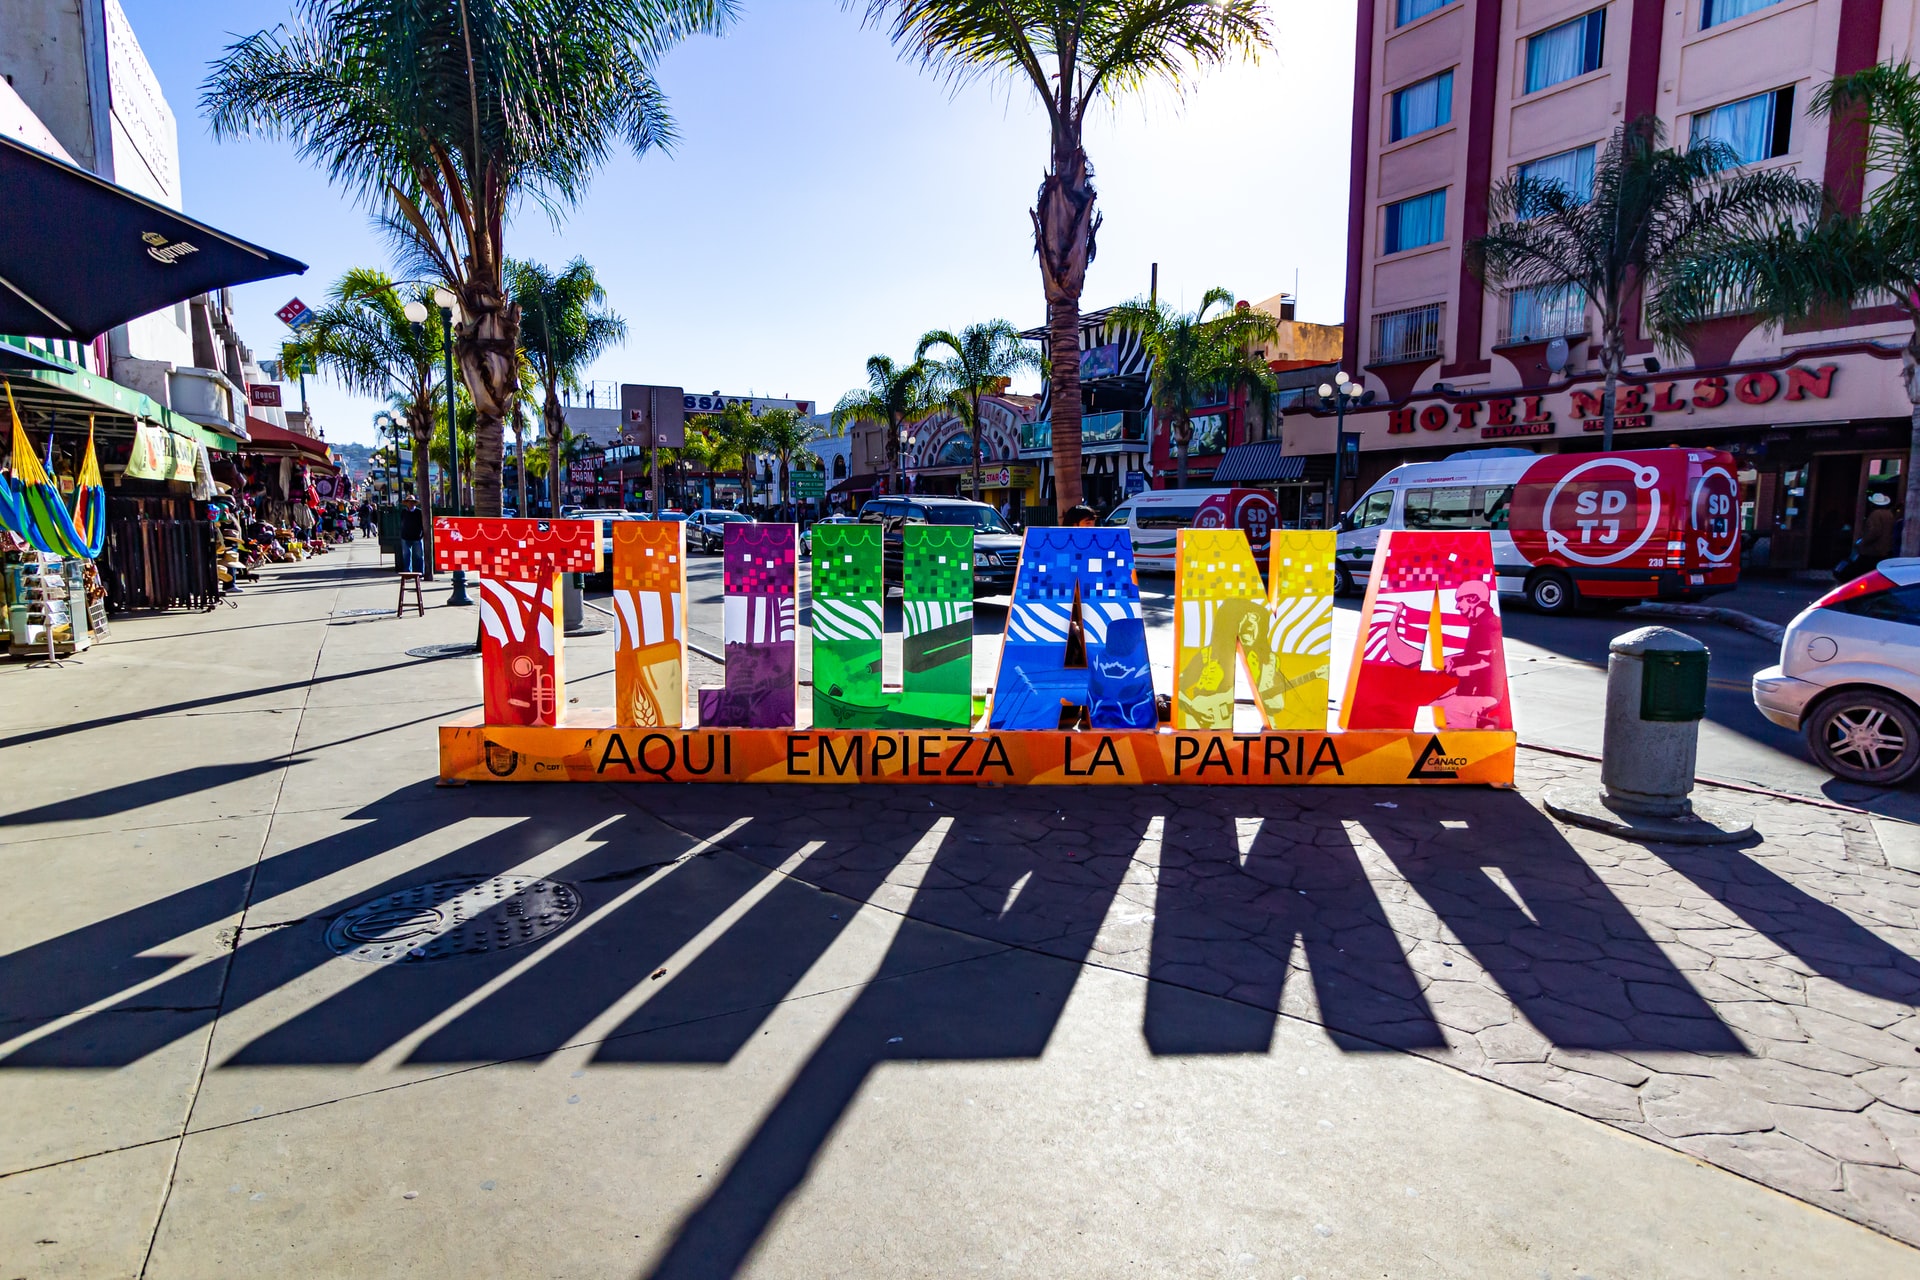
{"x":1342,"y":391}
{"x":449,"y":312}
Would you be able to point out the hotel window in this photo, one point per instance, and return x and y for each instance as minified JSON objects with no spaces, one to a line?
{"x":1412,"y":333}
{"x":1412,"y":223}
{"x":1756,"y":128}
{"x":1568,"y":50}
{"x":1406,"y":11}
{"x":1570,"y":169}
{"x":1545,"y":311}
{"x":1715,"y":12}
{"x":1420,"y":107}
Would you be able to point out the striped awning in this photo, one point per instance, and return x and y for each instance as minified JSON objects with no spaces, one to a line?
{"x":1258,"y":463}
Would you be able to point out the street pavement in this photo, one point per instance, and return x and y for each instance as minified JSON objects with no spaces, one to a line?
{"x":898,"y":1030}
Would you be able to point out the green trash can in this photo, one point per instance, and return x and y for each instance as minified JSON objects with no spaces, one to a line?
{"x":1673,"y":686}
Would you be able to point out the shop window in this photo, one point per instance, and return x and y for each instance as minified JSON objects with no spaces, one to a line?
{"x":1754,"y":129}
{"x":1423,"y":106}
{"x":1406,"y":11}
{"x":1419,"y":221}
{"x":1566,"y":51}
{"x":1715,"y":12}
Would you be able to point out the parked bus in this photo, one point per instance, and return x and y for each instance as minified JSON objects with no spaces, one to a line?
{"x":1599,"y":529}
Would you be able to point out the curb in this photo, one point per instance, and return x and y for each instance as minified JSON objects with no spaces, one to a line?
{"x":1771,"y":631}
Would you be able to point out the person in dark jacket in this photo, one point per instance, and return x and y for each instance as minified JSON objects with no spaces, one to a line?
{"x":413,"y":538}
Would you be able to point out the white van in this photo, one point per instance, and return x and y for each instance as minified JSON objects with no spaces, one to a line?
{"x":1154,"y":520}
{"x":1600,"y":529}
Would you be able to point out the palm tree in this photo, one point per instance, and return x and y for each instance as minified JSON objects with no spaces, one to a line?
{"x":1652,"y":211}
{"x":784,"y":433}
{"x":1072,"y":53}
{"x":733,"y":435}
{"x":564,"y":446}
{"x":565,"y":325}
{"x":983,"y":357}
{"x":893,"y":397}
{"x":1825,"y":267}
{"x":1197,"y":360}
{"x":362,"y":338}
{"x":443,"y":114}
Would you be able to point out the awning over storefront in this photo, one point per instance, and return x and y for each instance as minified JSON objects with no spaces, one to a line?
{"x":268,"y":438}
{"x":1261,"y":462}
{"x":854,"y":484}
{"x":57,"y":393}
{"x":82,"y":255}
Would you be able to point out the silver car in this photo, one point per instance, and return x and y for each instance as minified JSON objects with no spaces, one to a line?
{"x":1849,"y":677}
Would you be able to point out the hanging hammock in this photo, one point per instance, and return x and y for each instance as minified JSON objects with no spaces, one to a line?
{"x":31,"y":505}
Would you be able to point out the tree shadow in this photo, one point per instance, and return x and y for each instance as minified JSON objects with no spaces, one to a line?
{"x":109,"y":801}
{"x":1556,"y":939}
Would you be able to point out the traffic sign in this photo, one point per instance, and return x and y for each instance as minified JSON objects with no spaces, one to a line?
{"x":808,"y":484}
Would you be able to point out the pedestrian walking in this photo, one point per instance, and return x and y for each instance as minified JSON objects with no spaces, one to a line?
{"x":413,"y":538}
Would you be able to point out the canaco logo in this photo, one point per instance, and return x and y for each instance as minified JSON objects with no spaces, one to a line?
{"x":1434,"y":762}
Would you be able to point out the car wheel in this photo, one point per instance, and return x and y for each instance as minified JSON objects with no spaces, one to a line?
{"x":1343,"y":582}
{"x":1551,"y":592}
{"x":1863,"y":735}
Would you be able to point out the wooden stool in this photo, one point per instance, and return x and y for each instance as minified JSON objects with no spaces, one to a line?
{"x":419,"y":602}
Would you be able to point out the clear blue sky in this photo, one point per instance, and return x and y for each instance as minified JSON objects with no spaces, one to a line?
{"x":826,"y":202}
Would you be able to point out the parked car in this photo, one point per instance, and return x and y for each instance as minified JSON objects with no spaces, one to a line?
{"x":1849,"y":677}
{"x":1569,"y":529}
{"x":603,"y":580}
{"x":806,"y":534}
{"x":996,"y":548}
{"x":707,"y":527}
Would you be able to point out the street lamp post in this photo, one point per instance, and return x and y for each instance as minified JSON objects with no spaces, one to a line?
{"x":449,"y":309}
{"x":1342,"y":391}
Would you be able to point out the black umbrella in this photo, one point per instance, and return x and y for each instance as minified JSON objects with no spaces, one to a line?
{"x":81,"y":255}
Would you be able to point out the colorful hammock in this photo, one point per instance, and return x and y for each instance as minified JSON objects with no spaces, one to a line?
{"x":31,"y":505}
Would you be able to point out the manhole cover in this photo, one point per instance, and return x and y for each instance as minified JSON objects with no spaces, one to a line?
{"x":361,"y":613}
{"x":467,"y":917}
{"x":443,"y":651}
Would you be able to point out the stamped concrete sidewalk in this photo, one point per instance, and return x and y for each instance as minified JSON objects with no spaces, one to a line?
{"x":896,"y":1031}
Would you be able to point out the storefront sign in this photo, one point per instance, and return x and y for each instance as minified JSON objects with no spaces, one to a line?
{"x":263,"y":395}
{"x":158,"y":454}
{"x":1637,"y":405}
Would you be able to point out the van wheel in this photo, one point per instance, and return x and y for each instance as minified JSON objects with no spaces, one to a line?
{"x":1865,"y":736}
{"x":1343,"y":583}
{"x":1551,"y":592}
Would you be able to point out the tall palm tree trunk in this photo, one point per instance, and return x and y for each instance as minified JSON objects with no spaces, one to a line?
{"x":976,"y":448}
{"x":1063,"y":228}
{"x":555,"y":420}
{"x":486,"y":349}
{"x":1612,"y":356}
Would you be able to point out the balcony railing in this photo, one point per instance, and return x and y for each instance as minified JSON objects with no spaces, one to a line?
{"x":1095,"y":428}
{"x":1540,"y":315}
{"x":1413,"y":333}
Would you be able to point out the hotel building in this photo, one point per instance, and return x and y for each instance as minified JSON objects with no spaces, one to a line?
{"x":1453,"y":96}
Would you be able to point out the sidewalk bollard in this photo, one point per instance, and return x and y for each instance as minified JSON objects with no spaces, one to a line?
{"x":1656,"y":697}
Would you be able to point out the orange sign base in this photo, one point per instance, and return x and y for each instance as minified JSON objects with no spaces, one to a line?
{"x":589,"y":748}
